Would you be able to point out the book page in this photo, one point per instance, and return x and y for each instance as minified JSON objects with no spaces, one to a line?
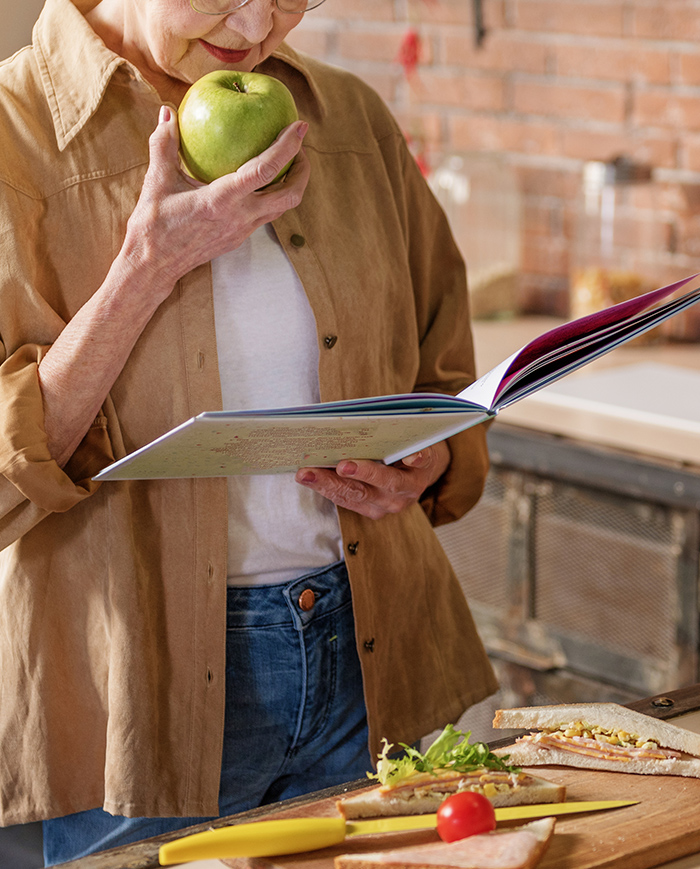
{"x":484,"y":390}
{"x":583,"y":329}
{"x":569,"y":359}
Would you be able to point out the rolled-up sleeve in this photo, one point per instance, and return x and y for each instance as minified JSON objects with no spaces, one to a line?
{"x":32,"y":484}
{"x":460,"y":487}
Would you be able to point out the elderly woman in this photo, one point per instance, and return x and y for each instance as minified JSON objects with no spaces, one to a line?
{"x":178,"y":649}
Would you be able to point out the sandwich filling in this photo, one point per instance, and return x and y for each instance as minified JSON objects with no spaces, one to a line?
{"x":483,"y":781}
{"x":595,"y":741}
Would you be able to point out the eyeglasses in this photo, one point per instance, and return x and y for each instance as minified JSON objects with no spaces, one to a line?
{"x":224,"y":7}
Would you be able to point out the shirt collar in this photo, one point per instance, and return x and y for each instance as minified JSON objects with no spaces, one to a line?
{"x":76,"y":68}
{"x":286,"y":63}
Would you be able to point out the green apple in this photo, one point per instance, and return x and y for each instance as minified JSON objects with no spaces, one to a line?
{"x":227,"y":117}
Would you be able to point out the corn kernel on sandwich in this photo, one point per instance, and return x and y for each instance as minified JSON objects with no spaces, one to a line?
{"x":600,"y":736}
{"x":416,"y":783}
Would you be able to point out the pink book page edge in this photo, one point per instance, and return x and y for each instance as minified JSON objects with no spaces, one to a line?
{"x":560,"y":336}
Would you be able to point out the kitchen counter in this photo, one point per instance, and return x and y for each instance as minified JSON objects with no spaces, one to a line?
{"x":659,"y":383}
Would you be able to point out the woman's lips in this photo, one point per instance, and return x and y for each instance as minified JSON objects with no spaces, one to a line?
{"x":226,"y":55}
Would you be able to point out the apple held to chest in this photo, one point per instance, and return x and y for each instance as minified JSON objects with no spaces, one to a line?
{"x":227,"y":117}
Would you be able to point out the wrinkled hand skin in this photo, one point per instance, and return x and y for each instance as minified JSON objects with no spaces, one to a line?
{"x":373,"y":489}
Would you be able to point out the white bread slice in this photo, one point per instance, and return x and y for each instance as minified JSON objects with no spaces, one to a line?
{"x":379,"y":803}
{"x":529,"y":754}
{"x":610,"y":716}
{"x":510,"y":848}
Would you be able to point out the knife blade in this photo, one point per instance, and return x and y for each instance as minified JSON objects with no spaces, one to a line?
{"x":273,"y":838}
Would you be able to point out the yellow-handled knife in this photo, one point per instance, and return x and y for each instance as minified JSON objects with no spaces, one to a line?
{"x":294,"y":835}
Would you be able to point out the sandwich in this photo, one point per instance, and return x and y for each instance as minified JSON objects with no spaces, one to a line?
{"x":600,"y":736}
{"x":416,"y":783}
{"x":509,"y":848}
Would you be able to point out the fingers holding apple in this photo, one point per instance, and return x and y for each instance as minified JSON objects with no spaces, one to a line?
{"x":228,"y":118}
{"x":263,"y":175}
{"x":181,"y":222}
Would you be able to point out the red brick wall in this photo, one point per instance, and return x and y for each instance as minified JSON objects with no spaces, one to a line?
{"x":555,"y":83}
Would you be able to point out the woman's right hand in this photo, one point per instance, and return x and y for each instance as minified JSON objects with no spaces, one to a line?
{"x":179,"y":223}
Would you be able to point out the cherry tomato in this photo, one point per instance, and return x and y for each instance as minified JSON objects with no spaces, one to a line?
{"x":465,"y":814}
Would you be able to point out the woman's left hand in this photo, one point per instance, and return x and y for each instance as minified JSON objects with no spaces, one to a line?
{"x":373,"y":489}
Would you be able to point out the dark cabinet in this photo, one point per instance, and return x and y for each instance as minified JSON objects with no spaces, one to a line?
{"x":580,"y":565}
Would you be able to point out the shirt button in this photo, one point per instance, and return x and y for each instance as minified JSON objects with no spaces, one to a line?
{"x":353,"y":547}
{"x":298,"y":240}
{"x":307,"y":599}
{"x":330,"y":340}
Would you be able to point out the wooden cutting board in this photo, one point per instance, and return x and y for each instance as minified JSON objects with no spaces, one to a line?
{"x":664,"y":825}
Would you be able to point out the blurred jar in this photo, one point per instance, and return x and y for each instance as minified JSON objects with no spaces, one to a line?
{"x":620,"y":238}
{"x":480,"y":195}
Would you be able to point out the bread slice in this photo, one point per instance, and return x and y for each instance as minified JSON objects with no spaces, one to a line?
{"x":528,"y":754}
{"x":384,"y":802}
{"x":609,"y":715}
{"x":510,"y":848}
{"x":592,"y":754}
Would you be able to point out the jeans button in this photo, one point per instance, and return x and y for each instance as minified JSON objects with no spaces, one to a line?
{"x":307,"y":599}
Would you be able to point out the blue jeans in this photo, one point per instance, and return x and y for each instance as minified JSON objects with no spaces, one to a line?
{"x":295,"y":713}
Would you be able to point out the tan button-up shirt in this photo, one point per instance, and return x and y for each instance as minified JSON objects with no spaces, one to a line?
{"x":112,"y":596}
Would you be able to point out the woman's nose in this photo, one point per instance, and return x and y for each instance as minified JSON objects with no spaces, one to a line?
{"x":253,"y":21}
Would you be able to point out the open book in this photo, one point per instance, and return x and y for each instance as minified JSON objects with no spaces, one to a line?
{"x":388,"y":427}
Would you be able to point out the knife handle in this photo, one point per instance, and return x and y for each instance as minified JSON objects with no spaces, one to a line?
{"x":257,"y":839}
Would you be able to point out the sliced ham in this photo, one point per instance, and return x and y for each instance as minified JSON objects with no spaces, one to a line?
{"x":590,"y":747}
{"x":515,"y":848}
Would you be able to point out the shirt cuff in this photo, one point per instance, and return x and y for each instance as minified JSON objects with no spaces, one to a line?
{"x":460,"y":487}
{"x":25,"y":460}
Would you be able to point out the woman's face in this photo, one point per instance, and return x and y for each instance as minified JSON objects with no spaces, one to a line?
{"x":184,"y":45}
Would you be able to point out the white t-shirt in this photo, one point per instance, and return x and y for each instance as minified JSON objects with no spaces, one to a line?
{"x":268,"y":357}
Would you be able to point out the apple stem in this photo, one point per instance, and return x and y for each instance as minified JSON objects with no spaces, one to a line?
{"x":238,"y":88}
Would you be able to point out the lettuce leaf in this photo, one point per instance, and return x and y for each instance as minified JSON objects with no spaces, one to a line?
{"x":450,"y":751}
